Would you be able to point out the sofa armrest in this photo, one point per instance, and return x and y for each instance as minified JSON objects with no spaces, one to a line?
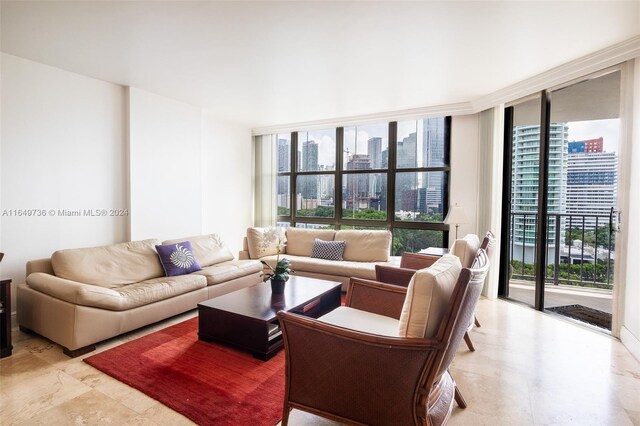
{"x":40,"y":265}
{"x":394,"y":275}
{"x":67,"y":290}
{"x":376,"y":297}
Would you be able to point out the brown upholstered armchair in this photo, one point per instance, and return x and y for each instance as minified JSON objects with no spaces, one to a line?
{"x":384,"y":358}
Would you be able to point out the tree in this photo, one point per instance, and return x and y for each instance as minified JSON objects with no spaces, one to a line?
{"x":572,"y":234}
{"x":366,"y":214}
{"x":320,"y":211}
{"x":414,"y":240}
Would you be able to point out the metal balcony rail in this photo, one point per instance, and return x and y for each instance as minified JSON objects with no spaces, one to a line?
{"x":580,"y":248}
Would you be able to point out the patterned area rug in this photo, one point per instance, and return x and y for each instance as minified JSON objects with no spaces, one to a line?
{"x":585,"y":314}
{"x":208,"y":383}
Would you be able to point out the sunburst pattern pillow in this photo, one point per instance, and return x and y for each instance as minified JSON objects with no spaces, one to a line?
{"x":177,"y":259}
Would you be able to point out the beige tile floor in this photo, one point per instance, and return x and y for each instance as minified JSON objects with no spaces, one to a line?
{"x":529,"y":369}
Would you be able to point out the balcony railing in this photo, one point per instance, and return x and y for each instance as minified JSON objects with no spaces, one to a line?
{"x":580,"y":248}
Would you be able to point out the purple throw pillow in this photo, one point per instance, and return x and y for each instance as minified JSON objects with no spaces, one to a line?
{"x":177,"y":259}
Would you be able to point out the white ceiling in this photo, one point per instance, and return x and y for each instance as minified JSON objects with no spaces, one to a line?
{"x":267,"y":63}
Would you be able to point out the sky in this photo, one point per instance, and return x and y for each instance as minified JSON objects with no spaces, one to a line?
{"x":593,"y":129}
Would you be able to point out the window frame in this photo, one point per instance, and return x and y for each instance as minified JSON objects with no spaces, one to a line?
{"x":340,"y":173}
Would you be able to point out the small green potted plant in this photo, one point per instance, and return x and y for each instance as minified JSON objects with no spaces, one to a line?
{"x":280,"y":274}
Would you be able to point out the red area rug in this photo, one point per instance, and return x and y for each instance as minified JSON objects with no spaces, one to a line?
{"x":210,"y":384}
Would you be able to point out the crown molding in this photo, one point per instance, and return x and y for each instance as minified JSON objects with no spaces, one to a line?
{"x":461,"y":108}
{"x":596,"y":61}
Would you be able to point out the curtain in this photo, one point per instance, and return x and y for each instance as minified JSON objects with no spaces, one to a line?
{"x":490,"y":187}
{"x":265,"y":181}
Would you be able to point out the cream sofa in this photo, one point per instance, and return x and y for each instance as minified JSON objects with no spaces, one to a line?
{"x":80,"y":297}
{"x":363,"y":250}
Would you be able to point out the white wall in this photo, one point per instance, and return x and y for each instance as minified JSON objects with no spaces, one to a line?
{"x":464,"y":171}
{"x":630,"y":330}
{"x":227,"y":181}
{"x":63,"y":148}
{"x":165,"y":168}
{"x":74,"y":143}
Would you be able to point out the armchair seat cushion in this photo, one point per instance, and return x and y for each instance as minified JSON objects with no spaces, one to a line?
{"x":362,"y":321}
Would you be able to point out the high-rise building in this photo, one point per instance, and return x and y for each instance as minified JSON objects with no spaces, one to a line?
{"x":310,"y":156}
{"x":358,"y":191}
{"x":433,"y":141}
{"x":308,"y":185}
{"x":433,"y":146}
{"x":592,"y":178}
{"x":524,"y":196}
{"x":374,"y":149}
{"x":407,"y":151}
{"x":407,"y":183}
{"x":589,"y":145}
{"x":284,"y":164}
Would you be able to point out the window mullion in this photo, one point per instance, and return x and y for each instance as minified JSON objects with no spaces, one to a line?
{"x":391,"y":174}
{"x":338,"y":176}
{"x":294,"y":177}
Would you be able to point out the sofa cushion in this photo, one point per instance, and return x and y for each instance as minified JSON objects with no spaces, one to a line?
{"x":329,"y":250}
{"x":428,"y":296}
{"x":466,"y":249}
{"x":300,"y":240}
{"x":232,"y":269}
{"x":177,"y":259}
{"x":208,"y":249}
{"x":363,"y":321}
{"x":109,"y":266}
{"x":265,"y":242}
{"x":118,"y":299}
{"x":330,"y":267}
{"x":365,"y":246}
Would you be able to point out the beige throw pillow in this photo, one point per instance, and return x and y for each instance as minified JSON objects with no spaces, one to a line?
{"x":265,"y":242}
{"x":300,"y":241}
{"x":428,"y":297}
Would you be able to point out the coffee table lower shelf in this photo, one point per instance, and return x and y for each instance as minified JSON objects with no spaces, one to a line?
{"x":239,"y":319}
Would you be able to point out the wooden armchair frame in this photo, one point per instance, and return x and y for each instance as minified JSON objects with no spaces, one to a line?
{"x":361,"y":378}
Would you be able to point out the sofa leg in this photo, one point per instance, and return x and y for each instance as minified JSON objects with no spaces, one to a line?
{"x":78,"y":352}
{"x":475,"y":320}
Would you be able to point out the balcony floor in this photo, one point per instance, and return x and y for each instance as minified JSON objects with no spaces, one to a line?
{"x":561,"y":295}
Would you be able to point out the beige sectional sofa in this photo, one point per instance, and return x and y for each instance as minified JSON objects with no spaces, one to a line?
{"x":363,"y":250}
{"x":80,"y":297}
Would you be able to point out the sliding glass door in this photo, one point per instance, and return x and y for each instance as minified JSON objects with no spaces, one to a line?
{"x":560,"y":201}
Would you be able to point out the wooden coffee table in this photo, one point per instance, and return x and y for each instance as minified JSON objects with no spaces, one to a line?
{"x":247,"y":319}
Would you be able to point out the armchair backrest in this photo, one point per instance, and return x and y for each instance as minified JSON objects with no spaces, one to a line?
{"x":461,"y":308}
{"x":427,"y":295}
{"x":466,"y":248}
{"x":488,"y":243}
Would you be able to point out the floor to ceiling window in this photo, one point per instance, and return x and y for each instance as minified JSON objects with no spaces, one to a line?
{"x":391,"y":175}
{"x":563,"y":192}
